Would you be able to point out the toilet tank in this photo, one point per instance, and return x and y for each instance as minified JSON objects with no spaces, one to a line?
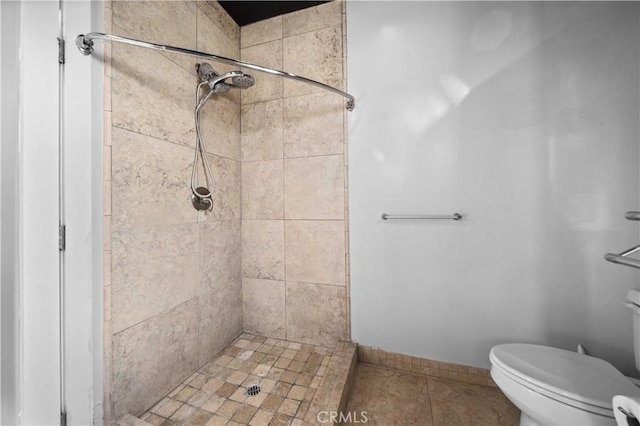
{"x":634,"y":304}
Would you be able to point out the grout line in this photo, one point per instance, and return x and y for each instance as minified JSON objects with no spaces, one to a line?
{"x":284,"y":199}
{"x":197,"y":4}
{"x":125,"y":33}
{"x":155,"y":315}
{"x":131,"y":228}
{"x":171,"y":142}
{"x":224,"y":33}
{"x":294,"y":158}
{"x":313,"y":30}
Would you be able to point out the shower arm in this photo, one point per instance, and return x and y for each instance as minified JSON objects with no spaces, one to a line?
{"x":84,"y":42}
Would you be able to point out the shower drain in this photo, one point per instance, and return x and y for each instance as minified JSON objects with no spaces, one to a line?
{"x":253,"y":390}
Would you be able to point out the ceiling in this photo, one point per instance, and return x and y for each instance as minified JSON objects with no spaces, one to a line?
{"x":247,"y":12}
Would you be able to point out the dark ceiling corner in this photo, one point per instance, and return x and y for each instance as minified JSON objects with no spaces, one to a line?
{"x":247,"y":12}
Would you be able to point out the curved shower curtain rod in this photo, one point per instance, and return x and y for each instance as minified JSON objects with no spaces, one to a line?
{"x":84,"y":42}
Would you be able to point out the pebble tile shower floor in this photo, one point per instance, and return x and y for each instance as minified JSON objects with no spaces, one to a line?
{"x":292,"y":377}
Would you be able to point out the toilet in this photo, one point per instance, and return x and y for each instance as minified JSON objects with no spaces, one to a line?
{"x":553,"y":386}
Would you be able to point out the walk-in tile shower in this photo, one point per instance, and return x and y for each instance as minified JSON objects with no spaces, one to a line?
{"x":182,"y":283}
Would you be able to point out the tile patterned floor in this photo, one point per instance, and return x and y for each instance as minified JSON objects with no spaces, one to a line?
{"x":395,"y":397}
{"x":289,"y":375}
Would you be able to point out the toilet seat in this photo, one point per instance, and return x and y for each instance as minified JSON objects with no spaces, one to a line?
{"x":581,"y":381}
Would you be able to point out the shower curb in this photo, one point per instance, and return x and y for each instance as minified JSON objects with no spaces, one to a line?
{"x":335,"y":389}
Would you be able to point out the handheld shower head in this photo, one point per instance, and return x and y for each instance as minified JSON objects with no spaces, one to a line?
{"x":239,"y":80}
{"x":217,"y":83}
{"x":242,"y":80}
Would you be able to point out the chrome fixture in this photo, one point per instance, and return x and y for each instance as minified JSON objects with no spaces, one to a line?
{"x":622,"y":258}
{"x":239,"y":80}
{"x":84,"y":42}
{"x":201,"y":197}
{"x":455,"y":216}
{"x":632,"y":215}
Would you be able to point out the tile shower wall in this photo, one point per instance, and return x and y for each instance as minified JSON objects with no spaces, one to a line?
{"x":172,"y":274}
{"x":294,"y":179}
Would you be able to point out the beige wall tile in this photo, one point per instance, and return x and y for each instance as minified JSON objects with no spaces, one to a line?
{"x":211,"y":39}
{"x":106,"y":204}
{"x":107,"y":127}
{"x":313,"y":125}
{"x":263,"y":249}
{"x":155,"y":22}
{"x":314,"y":188}
{"x":315,"y":251}
{"x":262,"y":193}
{"x":154,"y":269}
{"x":106,"y":229}
{"x":106,"y":163}
{"x":227,"y":198}
{"x":316,"y":55}
{"x":220,"y":117}
{"x":150,"y":182}
{"x":262,"y":131}
{"x":107,"y":303}
{"x":263,"y":307}
{"x":220,"y":319}
{"x":313,"y":18}
{"x":107,"y":102}
{"x":261,"y":32}
{"x":221,"y":18}
{"x":108,"y":17}
{"x":152,"y":95}
{"x":220,"y":126}
{"x":220,"y":253}
{"x":267,"y":87}
{"x":106,"y":271}
{"x":315,"y":313}
{"x":143,"y":353}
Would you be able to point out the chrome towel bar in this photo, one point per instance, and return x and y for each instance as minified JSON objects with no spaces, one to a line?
{"x":621,"y":258}
{"x":386,"y":216}
{"x":632,"y":215}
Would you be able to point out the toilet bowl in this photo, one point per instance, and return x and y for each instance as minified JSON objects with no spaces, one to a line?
{"x":554,"y":386}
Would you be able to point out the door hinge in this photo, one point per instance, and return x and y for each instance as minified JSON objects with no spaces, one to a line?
{"x":60,"y":50}
{"x":62,"y":237}
{"x":63,"y":419}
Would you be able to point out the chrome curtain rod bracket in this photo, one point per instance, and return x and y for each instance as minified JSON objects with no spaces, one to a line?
{"x":84,"y":42}
{"x":386,"y":216}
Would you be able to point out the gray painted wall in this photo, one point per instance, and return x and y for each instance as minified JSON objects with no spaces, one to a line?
{"x":523,"y":117}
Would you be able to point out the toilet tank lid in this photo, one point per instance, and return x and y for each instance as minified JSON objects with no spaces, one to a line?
{"x":572,"y":375}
